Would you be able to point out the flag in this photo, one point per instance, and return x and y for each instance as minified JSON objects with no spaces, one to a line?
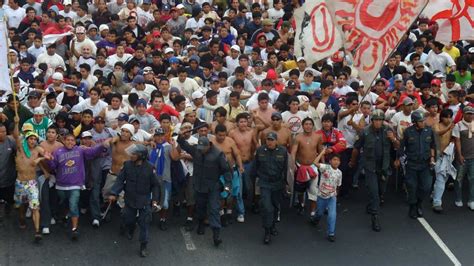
{"x":455,"y":19}
{"x":4,"y":71}
{"x":316,"y":36}
{"x":372,"y":29}
{"x":52,"y":38}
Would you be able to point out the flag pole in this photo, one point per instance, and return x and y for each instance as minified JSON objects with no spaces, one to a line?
{"x":393,"y":51}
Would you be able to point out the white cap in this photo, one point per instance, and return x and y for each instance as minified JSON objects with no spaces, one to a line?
{"x":103,"y":27}
{"x":235,"y":47}
{"x":86,"y":134}
{"x":67,"y":2}
{"x":38,"y":111}
{"x":180,"y":6}
{"x":303,"y":99}
{"x":361,"y":83}
{"x":57,"y":76}
{"x":169,"y":50}
{"x":300,"y":59}
{"x":128,"y":127}
{"x":197,"y":95}
{"x":194,"y":37}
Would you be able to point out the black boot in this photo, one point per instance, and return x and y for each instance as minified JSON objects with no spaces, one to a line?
{"x":419,"y":208}
{"x":201,"y":227}
{"x":130,"y":233}
{"x":268,"y":237}
{"x":375,"y":223}
{"x":189,"y":225}
{"x":216,"y":236}
{"x":177,"y":210}
{"x":143,"y":250}
{"x":224,"y":220}
{"x":412,"y":212}
{"x":273,"y":230}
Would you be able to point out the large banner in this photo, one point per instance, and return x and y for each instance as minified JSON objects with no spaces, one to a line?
{"x":372,"y":29}
{"x":455,"y":19}
{"x":316,"y":36}
{"x":4,"y":73}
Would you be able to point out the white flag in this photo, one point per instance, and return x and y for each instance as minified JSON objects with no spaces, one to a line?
{"x":52,"y":38}
{"x":4,"y":73}
{"x":316,"y":36}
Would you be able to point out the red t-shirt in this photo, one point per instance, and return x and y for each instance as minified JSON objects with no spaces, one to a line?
{"x":165,"y":110}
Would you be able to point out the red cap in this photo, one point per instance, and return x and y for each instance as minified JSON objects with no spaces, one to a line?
{"x":156,"y":34}
{"x":436,"y":82}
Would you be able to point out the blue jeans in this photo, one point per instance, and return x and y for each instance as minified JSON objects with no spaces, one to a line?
{"x":166,"y":190}
{"x":72,"y":196}
{"x":94,"y":200}
{"x":248,"y":182}
{"x":330,"y":205}
{"x":236,"y":190}
{"x":439,"y":185}
{"x":467,"y":169}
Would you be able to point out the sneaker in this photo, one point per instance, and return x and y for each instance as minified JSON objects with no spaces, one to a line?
{"x":438,"y":209}
{"x":53,"y":222}
{"x":83,"y":210}
{"x":45,"y":231}
{"x":189,"y":225}
{"x":470,"y":205}
{"x":74,"y":234}
{"x":143,"y":250}
{"x":241,"y":218}
{"x":38,"y":238}
{"x":28,"y":213}
{"x":458,"y":204}
{"x":95,"y":223}
{"x":331,"y":238}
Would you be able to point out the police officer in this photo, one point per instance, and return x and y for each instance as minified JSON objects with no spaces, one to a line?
{"x":209,"y":164}
{"x":418,"y":145}
{"x":271,"y":165}
{"x":138,"y":181}
{"x":376,"y":140}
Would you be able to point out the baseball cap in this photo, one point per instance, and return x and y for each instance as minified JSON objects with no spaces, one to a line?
{"x":174,"y":60}
{"x":159,"y":131}
{"x":31,"y":134}
{"x":166,"y":7}
{"x":300,"y":59}
{"x":76,"y":109}
{"x":92,"y":26}
{"x":203,"y":143}
{"x":169,"y":50}
{"x":80,"y":29}
{"x":141,"y":102}
{"x":418,"y":65}
{"x":34,"y":94}
{"x":194,"y":37}
{"x":86,"y":134}
{"x":272,"y":135}
{"x":138,"y":79}
{"x":57,"y":76}
{"x":189,"y":110}
{"x":468,"y":110}
{"x":277,"y":115}
{"x":436,"y":82}
{"x":99,"y":119}
{"x":194,"y":58}
{"x":180,"y":6}
{"x":214,"y":79}
{"x":38,"y":111}
{"x":235,"y":47}
{"x":197,"y":95}
{"x":133,"y":118}
{"x":147,"y":70}
{"x":397,"y":77}
{"x":291,"y":84}
{"x":407,"y":101}
{"x":27,"y":127}
{"x":122,"y":117}
{"x":267,"y":22}
{"x":258,"y":63}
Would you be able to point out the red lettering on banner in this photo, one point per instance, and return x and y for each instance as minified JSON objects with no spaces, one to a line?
{"x":320,"y":12}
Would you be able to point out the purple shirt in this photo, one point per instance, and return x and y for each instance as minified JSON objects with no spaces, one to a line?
{"x":69,"y":164}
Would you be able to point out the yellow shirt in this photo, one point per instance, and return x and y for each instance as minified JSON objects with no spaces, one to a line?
{"x":453,"y":52}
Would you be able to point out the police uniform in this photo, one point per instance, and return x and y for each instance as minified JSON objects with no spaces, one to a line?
{"x":271,"y":169}
{"x":417,"y":144}
{"x":208,"y":167}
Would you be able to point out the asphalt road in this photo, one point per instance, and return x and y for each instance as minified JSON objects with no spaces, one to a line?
{"x":403,"y":241}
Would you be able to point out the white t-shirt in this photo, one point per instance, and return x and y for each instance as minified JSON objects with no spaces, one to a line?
{"x":343,"y":90}
{"x":274,"y":14}
{"x":349,"y":132}
{"x":187,"y":87}
{"x":146,"y":93}
{"x":86,"y":104}
{"x":401,"y":122}
{"x":294,"y":121}
{"x":252,"y":103}
{"x":329,"y":180}
{"x":141,"y":135}
{"x":231,"y":63}
{"x":439,"y":61}
{"x":371,"y":98}
{"x":14,"y":16}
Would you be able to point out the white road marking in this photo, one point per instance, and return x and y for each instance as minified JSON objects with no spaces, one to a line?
{"x":187,"y":239}
{"x":438,"y":241}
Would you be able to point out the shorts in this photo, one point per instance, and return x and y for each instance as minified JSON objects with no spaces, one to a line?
{"x":27,"y":192}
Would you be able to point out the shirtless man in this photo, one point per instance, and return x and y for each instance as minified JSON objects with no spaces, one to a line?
{"x":232,"y":154}
{"x":263,"y":114}
{"x":306,"y":147}
{"x":119,"y":156}
{"x":246,"y":140}
{"x":50,"y":145}
{"x":26,"y":187}
{"x":283,"y":133}
{"x":220,"y":114}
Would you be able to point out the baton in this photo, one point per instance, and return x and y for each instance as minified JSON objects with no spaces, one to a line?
{"x":190,"y":130}
{"x":106,"y":211}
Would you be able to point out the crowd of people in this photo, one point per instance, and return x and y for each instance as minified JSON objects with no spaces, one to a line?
{"x":201,"y":107}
